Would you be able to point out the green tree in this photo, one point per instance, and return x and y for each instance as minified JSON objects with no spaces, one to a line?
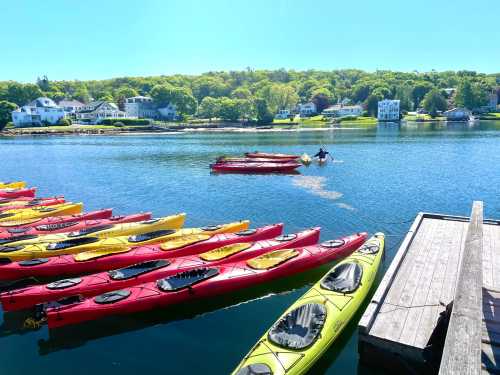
{"x":371,"y":104}
{"x":264,"y":115}
{"x":209,"y":107}
{"x":230,"y":109}
{"x":22,"y":94}
{"x":162,"y":94}
{"x":279,"y":96}
{"x":125,"y":92}
{"x":81,"y":94}
{"x":471,"y":95}
{"x":322,"y":98}
{"x":403,"y":94}
{"x":185,"y":103}
{"x":209,"y":86}
{"x":433,"y":102}
{"x":241,"y":93}
{"x":419,"y":91}
{"x":6,"y":109}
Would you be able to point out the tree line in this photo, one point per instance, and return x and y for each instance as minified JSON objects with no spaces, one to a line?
{"x":259,"y":94}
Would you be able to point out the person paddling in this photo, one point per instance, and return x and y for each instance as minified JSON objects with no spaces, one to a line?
{"x":321,"y":155}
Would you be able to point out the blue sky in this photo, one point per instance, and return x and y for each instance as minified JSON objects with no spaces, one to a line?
{"x":103,"y":39}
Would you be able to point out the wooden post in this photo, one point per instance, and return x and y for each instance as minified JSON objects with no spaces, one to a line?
{"x":462,"y":349}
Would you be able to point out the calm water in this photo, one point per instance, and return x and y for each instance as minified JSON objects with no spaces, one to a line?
{"x":383,"y":178}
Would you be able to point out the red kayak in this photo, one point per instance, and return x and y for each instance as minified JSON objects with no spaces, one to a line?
{"x":67,"y":265}
{"x":27,"y":232}
{"x":56,"y":224}
{"x":16,"y":193}
{"x":254,"y":160}
{"x":150,"y":271}
{"x":255,"y":167}
{"x":37,"y":202}
{"x":270,"y":155}
{"x":201,"y":282}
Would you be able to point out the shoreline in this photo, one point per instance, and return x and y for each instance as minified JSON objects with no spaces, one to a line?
{"x":82,"y":131}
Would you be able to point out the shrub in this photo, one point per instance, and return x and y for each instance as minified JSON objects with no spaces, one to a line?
{"x":348,"y":118}
{"x":126,"y":121}
{"x":119,"y":124}
{"x":64,"y":121}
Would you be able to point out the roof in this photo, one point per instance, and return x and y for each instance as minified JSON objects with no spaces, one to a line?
{"x":71,"y":103}
{"x":95,"y":105}
{"x":43,"y":102}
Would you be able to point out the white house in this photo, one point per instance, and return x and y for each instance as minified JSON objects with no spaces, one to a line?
{"x":39,"y":112}
{"x":169,"y":112}
{"x":95,"y":112}
{"x":282,"y":114}
{"x":388,"y":110}
{"x":70,"y":106}
{"x":458,"y":114}
{"x":140,"y":107}
{"x":307,"y":109}
{"x":339,"y":110}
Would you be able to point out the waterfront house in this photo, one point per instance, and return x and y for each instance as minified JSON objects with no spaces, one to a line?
{"x":140,"y":107}
{"x":41,"y":111}
{"x":168,"y":112}
{"x":388,"y":110}
{"x":95,"y":112}
{"x":307,"y":109}
{"x":458,"y":114}
{"x":283,"y":114}
{"x":493,"y":99}
{"x":70,"y":106}
{"x":340,"y":110}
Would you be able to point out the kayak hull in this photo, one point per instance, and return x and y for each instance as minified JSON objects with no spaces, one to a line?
{"x":104,"y":282}
{"x":270,"y":155}
{"x":255,"y":167}
{"x":12,"y":217}
{"x":224,"y":279}
{"x":256,"y":160}
{"x":56,"y":224}
{"x":26,"y":204}
{"x":67,"y":265}
{"x":13,"y":185}
{"x":16,"y":193}
{"x":338,"y":308}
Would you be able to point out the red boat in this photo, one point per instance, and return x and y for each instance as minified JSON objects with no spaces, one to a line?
{"x":37,"y":202}
{"x":27,"y":232}
{"x":198,"y":283}
{"x":50,"y":225}
{"x":254,"y":160}
{"x":255,"y":167}
{"x":270,"y":155}
{"x":68,"y":265}
{"x":16,"y":193}
{"x":150,"y":271}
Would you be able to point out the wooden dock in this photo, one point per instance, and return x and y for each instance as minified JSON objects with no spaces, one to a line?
{"x":441,"y":260}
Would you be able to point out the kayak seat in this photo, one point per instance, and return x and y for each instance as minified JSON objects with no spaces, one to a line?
{"x":211,"y":228}
{"x":333,"y":243}
{"x":3,"y":216}
{"x":18,"y":230}
{"x":10,"y":249}
{"x":272,"y":259}
{"x":66,"y":244}
{"x":17,"y":238}
{"x":44,"y":209}
{"x":255,"y":369}
{"x":177,"y":243}
{"x":63,"y":284}
{"x":33,"y":262}
{"x":345,"y":278}
{"x":112,"y":297}
{"x":150,"y":221}
{"x":51,"y":227}
{"x":224,"y":251}
{"x":137,"y":269}
{"x":87,"y":231}
{"x":285,"y":237}
{"x":371,"y":247}
{"x":300,"y":328}
{"x":116,"y":218}
{"x":186,"y":279}
{"x":150,"y":235}
{"x":247,"y":232}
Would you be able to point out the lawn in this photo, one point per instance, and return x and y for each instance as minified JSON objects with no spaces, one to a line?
{"x":423,"y":117}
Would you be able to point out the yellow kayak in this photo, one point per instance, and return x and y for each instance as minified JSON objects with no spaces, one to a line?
{"x":12,"y":185}
{"x":106,"y":231}
{"x":93,"y":247}
{"x":305,"y":159}
{"x":308,"y":327}
{"x":24,"y":215}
